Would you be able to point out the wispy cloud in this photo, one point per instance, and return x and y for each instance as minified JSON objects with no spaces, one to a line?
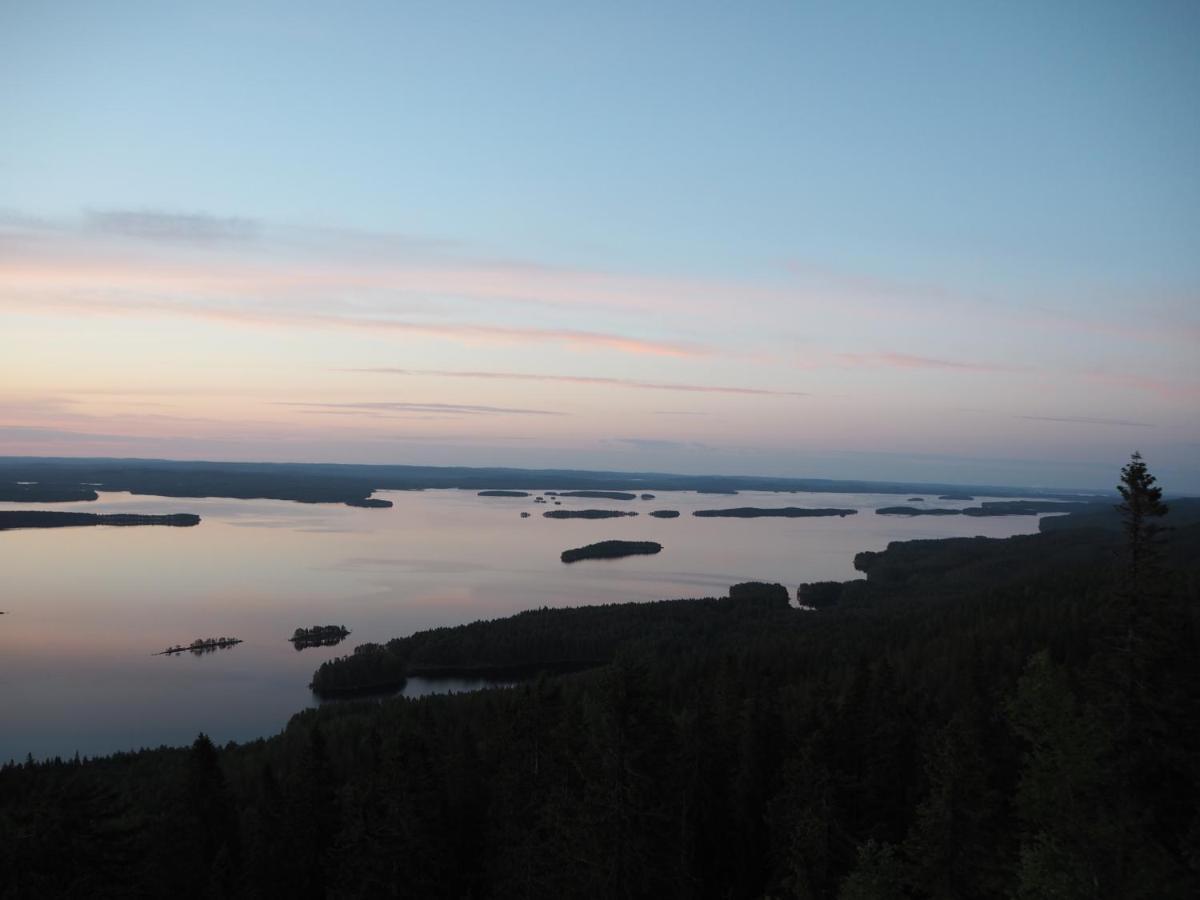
{"x":377,"y":406}
{"x":892,"y":360}
{"x":1087,"y":420}
{"x":271,"y":317}
{"x":155,"y":225}
{"x":587,"y":380}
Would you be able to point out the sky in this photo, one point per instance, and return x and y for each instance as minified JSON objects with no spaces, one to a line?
{"x":926,"y":241}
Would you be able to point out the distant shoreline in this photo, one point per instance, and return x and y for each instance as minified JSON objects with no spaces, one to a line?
{"x":62,"y":479}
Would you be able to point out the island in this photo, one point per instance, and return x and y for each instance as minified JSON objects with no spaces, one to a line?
{"x":783,"y":512}
{"x":665,"y":514}
{"x":715,"y":491}
{"x":319,"y":636}
{"x":916,"y":499}
{"x":370,"y":503}
{"x":647,"y":496}
{"x":598,"y":495}
{"x":502,"y":494}
{"x":200,"y":646}
{"x":524,"y":515}
{"x":611,"y":550}
{"x":990,"y":508}
{"x":41,"y":519}
{"x":586,"y":513}
{"x":955,"y":496}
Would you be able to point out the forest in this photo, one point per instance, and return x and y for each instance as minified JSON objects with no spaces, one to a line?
{"x":976,"y":718}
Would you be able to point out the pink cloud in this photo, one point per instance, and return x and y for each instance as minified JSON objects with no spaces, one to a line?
{"x":270,"y":318}
{"x":589,"y":380}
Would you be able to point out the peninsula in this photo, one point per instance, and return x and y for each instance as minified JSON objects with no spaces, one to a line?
{"x":41,"y":519}
{"x":36,"y":492}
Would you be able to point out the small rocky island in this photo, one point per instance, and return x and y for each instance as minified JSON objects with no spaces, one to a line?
{"x":200,"y":646}
{"x":319,"y":636}
{"x":42,"y":519}
{"x":611,"y":550}
{"x":665,"y":514}
{"x":783,"y":512}
{"x":502,"y":494}
{"x":586,"y":513}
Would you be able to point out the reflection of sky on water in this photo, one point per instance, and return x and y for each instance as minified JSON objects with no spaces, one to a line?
{"x":86,"y":607}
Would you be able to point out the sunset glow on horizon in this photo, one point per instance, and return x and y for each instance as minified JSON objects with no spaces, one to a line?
{"x":701,"y":241}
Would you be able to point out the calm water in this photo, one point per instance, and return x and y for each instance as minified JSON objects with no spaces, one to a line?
{"x":86,"y":607}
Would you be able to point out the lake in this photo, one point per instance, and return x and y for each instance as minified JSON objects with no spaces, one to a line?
{"x":85,"y":608}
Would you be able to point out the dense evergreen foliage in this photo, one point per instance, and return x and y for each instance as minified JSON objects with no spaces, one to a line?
{"x":979,"y":718}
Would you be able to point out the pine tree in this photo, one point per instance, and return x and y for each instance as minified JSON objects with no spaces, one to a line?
{"x":1141,"y":505}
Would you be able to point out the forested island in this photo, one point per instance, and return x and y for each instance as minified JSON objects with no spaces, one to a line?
{"x":665,"y":514}
{"x":319,"y":636}
{"x":502,"y":494}
{"x":977,"y":718}
{"x":200,"y":646}
{"x":611,"y":550}
{"x":587,"y":513}
{"x":995,"y":508}
{"x":783,"y":512}
{"x":598,"y":495}
{"x":44,"y":519}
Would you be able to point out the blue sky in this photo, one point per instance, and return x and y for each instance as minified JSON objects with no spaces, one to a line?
{"x":942,"y":223}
